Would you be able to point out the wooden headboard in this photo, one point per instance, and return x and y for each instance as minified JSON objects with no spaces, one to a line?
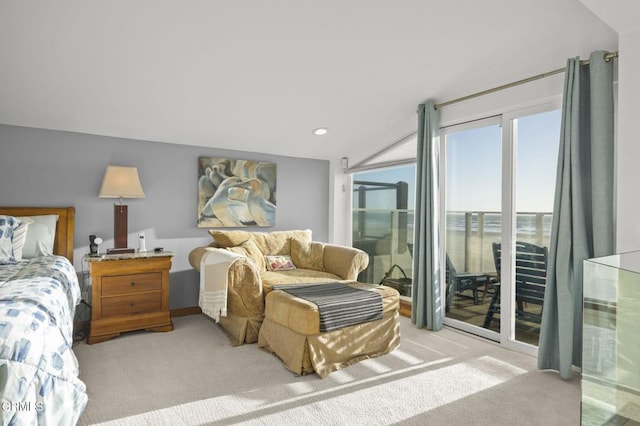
{"x":63,"y":244}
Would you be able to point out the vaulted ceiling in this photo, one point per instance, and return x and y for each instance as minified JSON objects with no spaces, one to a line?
{"x":257,"y":75}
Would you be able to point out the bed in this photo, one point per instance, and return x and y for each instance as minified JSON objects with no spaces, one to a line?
{"x":39,"y":292}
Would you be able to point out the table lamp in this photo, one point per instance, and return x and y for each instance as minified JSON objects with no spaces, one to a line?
{"x":120,"y":182}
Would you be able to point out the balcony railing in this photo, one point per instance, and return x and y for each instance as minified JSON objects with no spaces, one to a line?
{"x":383,"y":234}
{"x":469,"y":235}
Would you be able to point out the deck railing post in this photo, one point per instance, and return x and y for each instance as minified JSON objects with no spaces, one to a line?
{"x":539,"y":229}
{"x":395,"y":233}
{"x":467,"y":239}
{"x":362,"y":204}
{"x":480,"y":267}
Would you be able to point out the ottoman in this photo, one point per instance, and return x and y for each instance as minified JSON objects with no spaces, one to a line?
{"x":291,"y":331}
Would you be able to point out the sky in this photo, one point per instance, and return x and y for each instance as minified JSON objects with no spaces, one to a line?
{"x":474,"y":163}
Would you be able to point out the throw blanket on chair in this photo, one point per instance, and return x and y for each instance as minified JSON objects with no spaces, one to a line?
{"x":214,"y":269}
{"x":339,"y":305}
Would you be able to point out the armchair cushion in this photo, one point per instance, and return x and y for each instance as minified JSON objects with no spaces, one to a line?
{"x":249,"y":249}
{"x":269,"y":243}
{"x":307,"y":254}
{"x":296,"y":276}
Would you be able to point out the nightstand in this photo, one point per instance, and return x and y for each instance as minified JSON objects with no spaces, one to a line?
{"x":129,"y":292}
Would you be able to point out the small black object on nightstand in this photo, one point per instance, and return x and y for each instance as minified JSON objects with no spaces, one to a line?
{"x":158,"y":250}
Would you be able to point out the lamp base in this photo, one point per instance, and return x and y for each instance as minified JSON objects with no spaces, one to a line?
{"x":120,"y":234}
{"x":120,"y":250}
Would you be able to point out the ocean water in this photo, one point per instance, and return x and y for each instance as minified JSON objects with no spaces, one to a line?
{"x":378,"y":223}
{"x":526,"y":223}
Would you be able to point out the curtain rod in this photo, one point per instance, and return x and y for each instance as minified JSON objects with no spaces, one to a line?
{"x":607,"y":57}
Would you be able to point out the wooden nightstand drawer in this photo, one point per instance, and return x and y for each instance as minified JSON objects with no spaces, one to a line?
{"x":129,"y":292}
{"x":133,"y":283}
{"x":131,"y":304}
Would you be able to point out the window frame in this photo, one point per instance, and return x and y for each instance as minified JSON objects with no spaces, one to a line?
{"x":508,"y":122}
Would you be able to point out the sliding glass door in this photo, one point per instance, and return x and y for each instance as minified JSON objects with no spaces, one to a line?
{"x":535,"y":137}
{"x":498,"y":179}
{"x":472,"y":194}
{"x":497,"y":189}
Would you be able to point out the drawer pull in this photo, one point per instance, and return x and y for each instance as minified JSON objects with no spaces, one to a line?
{"x":133,"y":283}
{"x":132,"y":304}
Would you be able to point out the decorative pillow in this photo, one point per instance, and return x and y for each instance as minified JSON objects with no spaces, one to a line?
{"x":7,"y":226}
{"x":250,"y":250}
{"x":279,"y":263}
{"x":227,"y":239}
{"x":40,"y":236}
{"x":307,"y":254}
{"x":269,"y":243}
{"x":20,"y":237}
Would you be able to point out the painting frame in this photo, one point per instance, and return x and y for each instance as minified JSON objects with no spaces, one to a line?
{"x":236,"y":193}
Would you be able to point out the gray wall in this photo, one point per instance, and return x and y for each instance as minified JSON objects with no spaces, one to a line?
{"x":53,"y":168}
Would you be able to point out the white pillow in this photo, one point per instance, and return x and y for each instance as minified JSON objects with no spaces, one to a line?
{"x":40,"y":236}
{"x":20,"y":237}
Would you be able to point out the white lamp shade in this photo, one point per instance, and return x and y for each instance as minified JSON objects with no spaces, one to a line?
{"x":121,"y":182}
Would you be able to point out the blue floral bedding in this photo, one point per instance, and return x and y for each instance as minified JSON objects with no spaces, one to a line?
{"x":39,"y":381}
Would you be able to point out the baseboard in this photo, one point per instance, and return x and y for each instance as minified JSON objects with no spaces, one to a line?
{"x":181,"y":312}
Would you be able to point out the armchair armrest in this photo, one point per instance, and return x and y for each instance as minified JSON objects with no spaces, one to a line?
{"x":244,"y":283}
{"x":244,"y":280}
{"x":195,"y":256}
{"x":346,"y":262}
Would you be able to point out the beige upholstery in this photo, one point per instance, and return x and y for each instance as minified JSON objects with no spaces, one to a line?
{"x":302,"y":316}
{"x":249,"y":280}
{"x":291,"y":330}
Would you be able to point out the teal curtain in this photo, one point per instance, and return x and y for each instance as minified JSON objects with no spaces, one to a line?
{"x":583,"y":209}
{"x":426,"y":310}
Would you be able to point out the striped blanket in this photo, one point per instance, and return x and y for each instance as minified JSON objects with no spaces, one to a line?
{"x":339,"y":305}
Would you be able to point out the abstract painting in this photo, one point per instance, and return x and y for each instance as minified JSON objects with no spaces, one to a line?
{"x":236,"y":193}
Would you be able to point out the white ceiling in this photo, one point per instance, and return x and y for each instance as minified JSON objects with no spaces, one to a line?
{"x":257,"y":75}
{"x":622,"y":16}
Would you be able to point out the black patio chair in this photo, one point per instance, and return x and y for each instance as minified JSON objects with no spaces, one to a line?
{"x":459,"y":282}
{"x":531,"y":278}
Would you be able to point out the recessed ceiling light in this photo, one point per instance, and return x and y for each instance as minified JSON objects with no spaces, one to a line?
{"x":320,"y":131}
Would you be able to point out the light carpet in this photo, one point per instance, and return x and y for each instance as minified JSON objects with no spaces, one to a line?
{"x":192,"y":376}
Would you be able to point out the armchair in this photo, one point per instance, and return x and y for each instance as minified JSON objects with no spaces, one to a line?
{"x":249,"y":280}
